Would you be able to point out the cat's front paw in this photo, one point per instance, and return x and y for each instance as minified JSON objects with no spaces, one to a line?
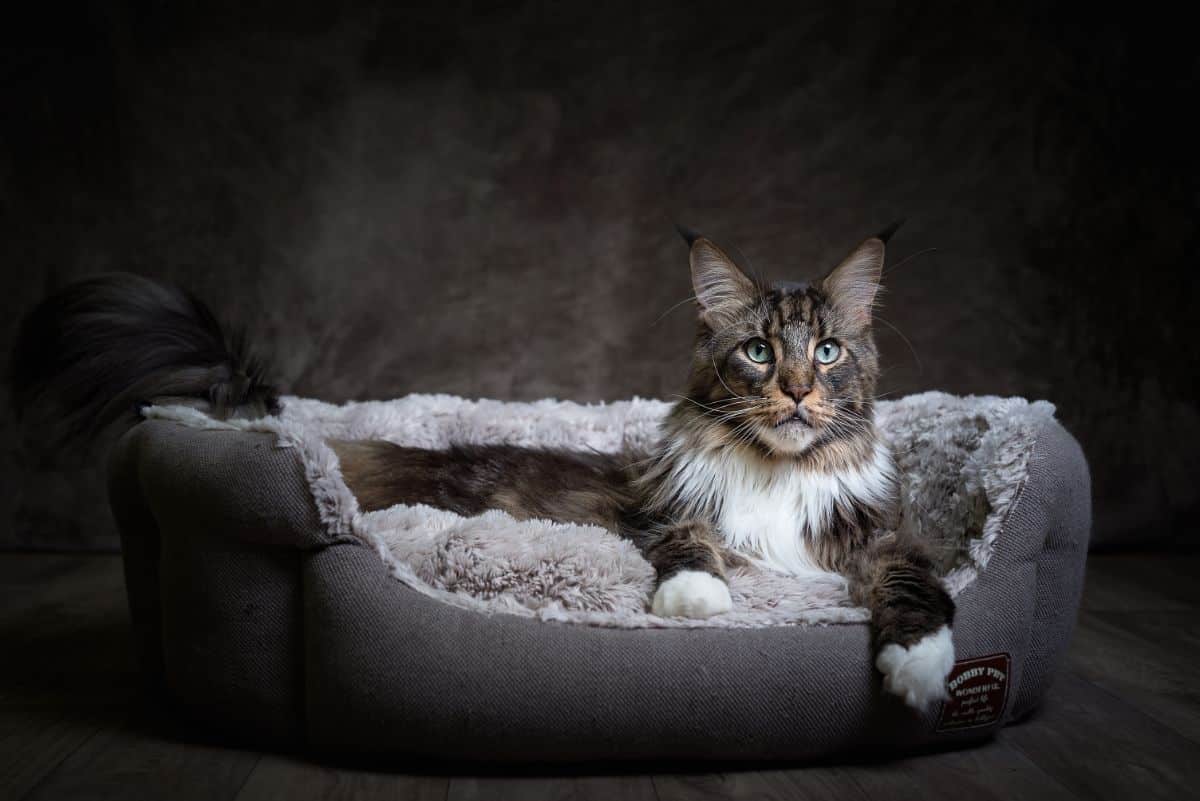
{"x":918,"y":673}
{"x":692,"y":593}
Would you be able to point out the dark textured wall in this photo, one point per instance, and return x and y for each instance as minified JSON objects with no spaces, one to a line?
{"x":477,"y":198}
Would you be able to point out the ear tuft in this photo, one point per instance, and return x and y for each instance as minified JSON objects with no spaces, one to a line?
{"x":721,"y":287}
{"x":886,"y":234}
{"x":853,"y":285}
{"x":688,"y":234}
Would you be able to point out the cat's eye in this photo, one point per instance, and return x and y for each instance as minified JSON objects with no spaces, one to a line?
{"x":759,"y":351}
{"x":827,"y":352}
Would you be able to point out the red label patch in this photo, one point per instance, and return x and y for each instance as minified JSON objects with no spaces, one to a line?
{"x":978,"y":691}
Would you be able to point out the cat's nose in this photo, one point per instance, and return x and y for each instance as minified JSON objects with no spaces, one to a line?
{"x":796,"y":391}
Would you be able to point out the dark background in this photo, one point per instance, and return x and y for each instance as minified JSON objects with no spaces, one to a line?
{"x":477,"y":198}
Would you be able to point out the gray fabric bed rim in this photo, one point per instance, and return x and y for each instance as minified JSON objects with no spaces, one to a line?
{"x":259,"y":623}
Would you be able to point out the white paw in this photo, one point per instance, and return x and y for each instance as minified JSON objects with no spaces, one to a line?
{"x":692,"y":593}
{"x":918,"y":673}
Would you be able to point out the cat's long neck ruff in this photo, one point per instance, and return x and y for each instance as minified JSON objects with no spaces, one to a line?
{"x":776,"y":510}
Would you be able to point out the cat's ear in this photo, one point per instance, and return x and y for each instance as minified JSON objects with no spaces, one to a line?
{"x":853,"y":285}
{"x":722,"y":289}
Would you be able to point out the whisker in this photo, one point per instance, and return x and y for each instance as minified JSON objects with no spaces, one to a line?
{"x":734,"y":415}
{"x":721,"y":405}
{"x":722,"y":380}
{"x":899,"y":333}
{"x":673,"y":307}
{"x":907,"y":259}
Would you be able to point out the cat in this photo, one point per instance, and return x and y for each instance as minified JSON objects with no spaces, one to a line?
{"x":771,"y":456}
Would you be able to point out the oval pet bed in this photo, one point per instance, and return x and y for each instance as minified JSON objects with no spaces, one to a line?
{"x":269,"y":606}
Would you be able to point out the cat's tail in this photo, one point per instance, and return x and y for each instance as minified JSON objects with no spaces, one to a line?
{"x":90,"y":356}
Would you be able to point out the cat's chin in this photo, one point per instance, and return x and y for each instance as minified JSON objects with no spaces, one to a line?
{"x":792,"y":438}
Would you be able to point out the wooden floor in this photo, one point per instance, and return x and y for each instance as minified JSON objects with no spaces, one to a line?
{"x":1122,"y":722}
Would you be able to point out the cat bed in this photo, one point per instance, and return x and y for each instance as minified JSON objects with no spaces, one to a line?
{"x":267,"y":604}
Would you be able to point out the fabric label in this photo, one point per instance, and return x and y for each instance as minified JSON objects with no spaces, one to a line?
{"x":978,"y":691}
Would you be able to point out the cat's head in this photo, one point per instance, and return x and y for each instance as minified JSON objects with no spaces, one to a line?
{"x":788,"y":368}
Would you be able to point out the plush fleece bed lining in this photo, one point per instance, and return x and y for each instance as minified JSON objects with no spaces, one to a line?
{"x":962,"y":463}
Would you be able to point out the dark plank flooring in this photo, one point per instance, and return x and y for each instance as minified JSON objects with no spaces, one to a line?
{"x":1122,"y":722}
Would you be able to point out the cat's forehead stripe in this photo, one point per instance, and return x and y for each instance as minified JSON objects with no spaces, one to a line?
{"x":794,"y":305}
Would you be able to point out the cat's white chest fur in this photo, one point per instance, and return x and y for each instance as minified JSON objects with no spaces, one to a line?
{"x":764,"y":508}
{"x":765,"y":518}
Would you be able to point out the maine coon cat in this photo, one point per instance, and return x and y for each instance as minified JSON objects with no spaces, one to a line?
{"x":770,"y":455}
